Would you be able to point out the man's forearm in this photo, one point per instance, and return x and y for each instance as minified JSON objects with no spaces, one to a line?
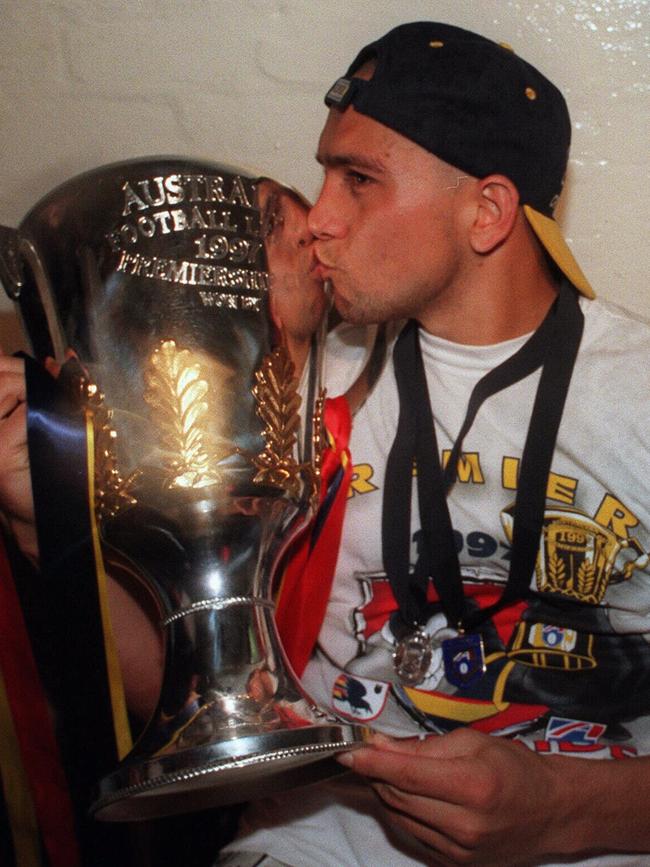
{"x":601,"y":805}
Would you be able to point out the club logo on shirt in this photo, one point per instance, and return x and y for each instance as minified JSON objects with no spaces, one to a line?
{"x":579,"y":557}
{"x":359,"y":698}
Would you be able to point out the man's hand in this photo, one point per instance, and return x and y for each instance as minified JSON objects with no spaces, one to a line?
{"x":481,"y":800}
{"x":16,"y":503}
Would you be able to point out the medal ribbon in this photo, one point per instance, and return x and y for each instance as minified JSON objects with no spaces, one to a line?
{"x":553,"y":347}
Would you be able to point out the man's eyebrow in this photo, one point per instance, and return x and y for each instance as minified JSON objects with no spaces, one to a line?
{"x":359,"y":161}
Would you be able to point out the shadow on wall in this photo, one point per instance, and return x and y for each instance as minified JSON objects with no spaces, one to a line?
{"x":11,"y":334}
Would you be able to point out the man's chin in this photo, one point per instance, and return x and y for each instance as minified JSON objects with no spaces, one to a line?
{"x":350,"y":312}
{"x":359,"y":316}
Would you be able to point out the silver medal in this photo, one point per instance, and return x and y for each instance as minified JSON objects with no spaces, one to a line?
{"x":412,"y":657}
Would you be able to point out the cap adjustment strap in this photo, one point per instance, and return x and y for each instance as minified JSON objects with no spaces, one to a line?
{"x":343,"y":91}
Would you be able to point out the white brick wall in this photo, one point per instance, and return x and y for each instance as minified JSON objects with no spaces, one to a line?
{"x":86,"y":83}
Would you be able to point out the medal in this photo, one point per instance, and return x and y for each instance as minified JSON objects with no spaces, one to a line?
{"x":464,"y":659}
{"x":412,"y":658}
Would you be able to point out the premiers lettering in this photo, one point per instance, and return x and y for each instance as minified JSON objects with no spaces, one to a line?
{"x":199,"y":274}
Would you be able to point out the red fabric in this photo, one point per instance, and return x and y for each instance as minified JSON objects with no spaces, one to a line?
{"x":307,"y":579}
{"x":515,"y":714}
{"x":382,"y":604}
{"x":34,"y":730}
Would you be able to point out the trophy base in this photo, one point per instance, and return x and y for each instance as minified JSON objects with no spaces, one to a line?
{"x":228,"y":772}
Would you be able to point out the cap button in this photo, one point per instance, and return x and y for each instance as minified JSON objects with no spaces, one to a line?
{"x":530,"y":93}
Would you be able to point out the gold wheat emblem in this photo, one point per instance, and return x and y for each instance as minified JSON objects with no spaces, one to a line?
{"x":178,"y":391}
{"x":278,"y":405}
{"x":111,"y":491}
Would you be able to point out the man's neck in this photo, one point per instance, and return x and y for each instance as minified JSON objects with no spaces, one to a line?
{"x":491,"y":309}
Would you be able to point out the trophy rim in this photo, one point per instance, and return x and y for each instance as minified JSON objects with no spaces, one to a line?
{"x":225,"y":773}
{"x":134,"y":162}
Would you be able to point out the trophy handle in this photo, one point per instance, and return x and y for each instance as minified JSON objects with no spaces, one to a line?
{"x":18,"y":261}
{"x":12,"y":275}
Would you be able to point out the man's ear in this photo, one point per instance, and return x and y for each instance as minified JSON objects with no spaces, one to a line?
{"x":497,"y":206}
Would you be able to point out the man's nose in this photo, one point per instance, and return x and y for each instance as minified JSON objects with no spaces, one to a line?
{"x":325,"y":219}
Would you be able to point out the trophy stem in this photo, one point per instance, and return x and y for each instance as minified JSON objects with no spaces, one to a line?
{"x":232,"y":719}
{"x":244,"y":728}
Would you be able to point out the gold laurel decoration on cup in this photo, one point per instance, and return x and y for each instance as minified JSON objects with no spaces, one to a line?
{"x":112,"y":492}
{"x":318,"y":445}
{"x":178,"y":392}
{"x":278,"y":403}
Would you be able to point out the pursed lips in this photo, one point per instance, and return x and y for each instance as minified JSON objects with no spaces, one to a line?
{"x":320,"y":265}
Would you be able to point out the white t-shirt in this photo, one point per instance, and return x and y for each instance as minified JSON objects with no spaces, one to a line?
{"x":567,"y":672}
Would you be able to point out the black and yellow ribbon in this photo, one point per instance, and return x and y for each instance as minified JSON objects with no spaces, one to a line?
{"x":121,"y":726}
{"x":74,"y":641}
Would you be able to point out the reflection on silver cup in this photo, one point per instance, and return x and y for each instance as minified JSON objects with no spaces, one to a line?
{"x":159,"y":275}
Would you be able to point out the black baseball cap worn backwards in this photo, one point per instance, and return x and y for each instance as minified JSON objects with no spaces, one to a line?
{"x":476,"y":105}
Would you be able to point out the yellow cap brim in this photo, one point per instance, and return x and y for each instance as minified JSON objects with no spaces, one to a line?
{"x":550,"y":236}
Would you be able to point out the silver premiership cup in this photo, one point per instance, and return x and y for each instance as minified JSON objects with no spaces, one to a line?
{"x":169,"y":280}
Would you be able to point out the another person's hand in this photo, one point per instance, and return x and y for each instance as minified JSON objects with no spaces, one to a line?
{"x":16,"y":503}
{"x":471,"y":798}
